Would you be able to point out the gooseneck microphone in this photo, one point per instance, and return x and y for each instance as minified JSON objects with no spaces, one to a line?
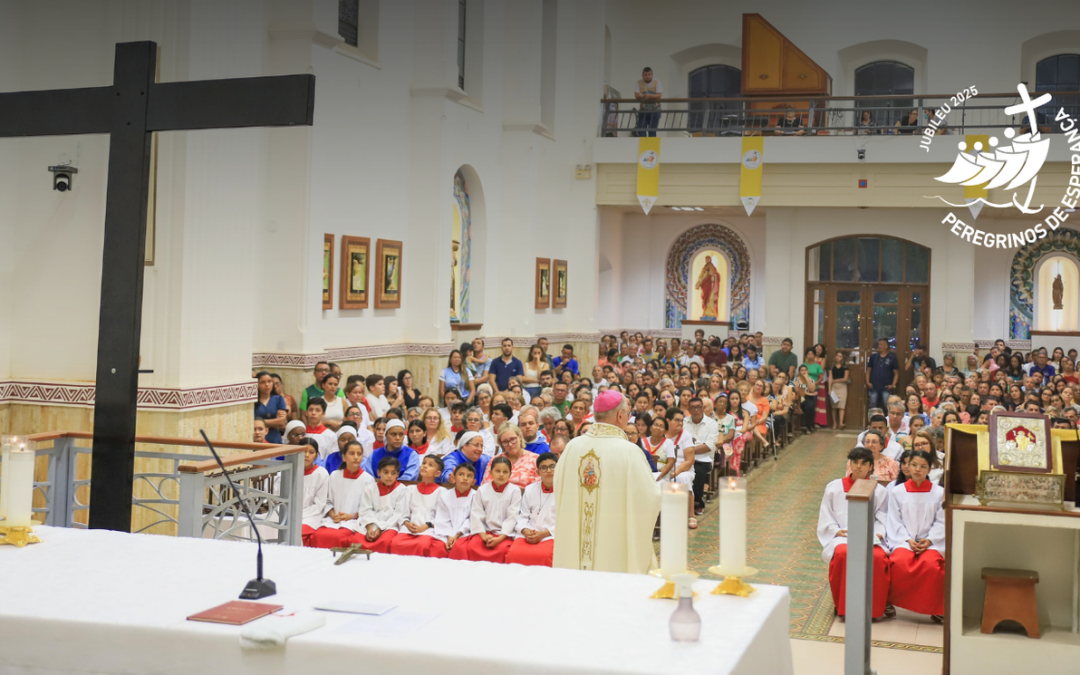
{"x":257,"y":587}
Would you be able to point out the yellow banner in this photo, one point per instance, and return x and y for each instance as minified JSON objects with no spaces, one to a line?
{"x":974,"y":193}
{"x":648,"y":172}
{"x":753,"y":158}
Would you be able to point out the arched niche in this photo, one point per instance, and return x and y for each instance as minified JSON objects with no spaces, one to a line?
{"x":1046,"y":271}
{"x":1023,"y":277}
{"x":468,"y":246}
{"x":679,"y":267}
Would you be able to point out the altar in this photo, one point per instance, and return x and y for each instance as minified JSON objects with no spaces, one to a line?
{"x":96,"y":601}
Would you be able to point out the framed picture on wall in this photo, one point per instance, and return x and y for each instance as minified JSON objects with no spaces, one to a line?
{"x":543,"y":283}
{"x":387,"y":274}
{"x":355,"y":258}
{"x":560,"y":283}
{"x":327,"y":271}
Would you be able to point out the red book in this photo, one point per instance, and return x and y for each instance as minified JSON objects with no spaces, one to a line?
{"x":236,"y":613}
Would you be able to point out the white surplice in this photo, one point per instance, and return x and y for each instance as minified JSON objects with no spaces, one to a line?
{"x":422,"y":507}
{"x":917,"y":516}
{"x":607,"y":502}
{"x":537,"y":511}
{"x":833,"y":517}
{"x":316,"y":495}
{"x":496,"y":512}
{"x":344,"y":496}
{"x":386,"y":512}
{"x":453,"y":514}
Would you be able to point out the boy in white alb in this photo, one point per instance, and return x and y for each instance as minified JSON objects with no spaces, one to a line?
{"x":915,"y":531}
{"x":534,"y":541}
{"x":494,"y":517}
{"x":832,"y":533}
{"x":417,"y":536}
{"x":453,"y":514}
{"x":316,"y":489}
{"x":383,"y":507}
{"x":347,"y":484}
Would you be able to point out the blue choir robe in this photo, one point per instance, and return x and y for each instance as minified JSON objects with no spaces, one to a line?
{"x":332,"y":462}
{"x":538,"y":446}
{"x":455,"y":458}
{"x":410,"y":462}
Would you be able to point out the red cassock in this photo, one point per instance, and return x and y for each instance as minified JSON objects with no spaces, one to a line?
{"x":460,"y":549}
{"x":380,"y":545}
{"x":477,"y":551}
{"x":524,"y":553}
{"x":918,"y":581}
{"x":420,"y":545}
{"x":307,"y":535}
{"x":838,"y":580}
{"x":332,"y":537}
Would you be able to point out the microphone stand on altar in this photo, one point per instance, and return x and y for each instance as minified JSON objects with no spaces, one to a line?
{"x":257,"y":587}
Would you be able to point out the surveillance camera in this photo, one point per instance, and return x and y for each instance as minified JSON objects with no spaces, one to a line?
{"x":62,"y":176}
{"x":862,"y":153}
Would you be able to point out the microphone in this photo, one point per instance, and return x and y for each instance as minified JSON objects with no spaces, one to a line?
{"x":257,"y":587}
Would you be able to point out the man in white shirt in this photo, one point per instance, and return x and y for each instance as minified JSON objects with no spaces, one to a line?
{"x":706,"y":432}
{"x":880,"y":423}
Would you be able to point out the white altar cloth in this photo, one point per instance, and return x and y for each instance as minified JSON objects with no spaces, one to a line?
{"x":93,"y":601}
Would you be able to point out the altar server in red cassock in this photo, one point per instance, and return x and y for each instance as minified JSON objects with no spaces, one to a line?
{"x":494,"y":517}
{"x":347,"y":484}
{"x":383,"y":508}
{"x":915,"y":531}
{"x":832,"y":533}
{"x":417,"y":536}
{"x":316,"y":489}
{"x":453,"y":514}
{"x":535,"y":535}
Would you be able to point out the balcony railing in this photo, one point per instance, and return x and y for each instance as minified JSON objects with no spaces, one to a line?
{"x":181,"y":493}
{"x":824,"y":115}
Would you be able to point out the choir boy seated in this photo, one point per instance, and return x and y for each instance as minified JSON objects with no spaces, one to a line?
{"x":316,"y":429}
{"x":417,"y":536}
{"x":832,"y":533}
{"x":535,"y":535}
{"x":494,"y":517}
{"x":383,"y":508}
{"x":316,"y":488}
{"x":340,"y":524}
{"x":394,"y":438}
{"x":453,"y":514}
{"x":915,"y":532}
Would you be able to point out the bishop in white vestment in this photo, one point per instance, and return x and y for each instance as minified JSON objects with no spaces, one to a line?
{"x":606,"y":497}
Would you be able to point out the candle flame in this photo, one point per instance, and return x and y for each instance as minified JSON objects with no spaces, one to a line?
{"x":731,"y":484}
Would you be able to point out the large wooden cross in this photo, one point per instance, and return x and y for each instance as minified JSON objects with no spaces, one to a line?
{"x":130,"y":111}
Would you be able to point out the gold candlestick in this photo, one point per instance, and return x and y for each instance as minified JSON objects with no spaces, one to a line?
{"x":733,"y":584}
{"x":668,"y":590}
{"x":18,"y":536}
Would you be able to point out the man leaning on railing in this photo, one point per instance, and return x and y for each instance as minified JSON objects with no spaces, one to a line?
{"x":649,"y":94}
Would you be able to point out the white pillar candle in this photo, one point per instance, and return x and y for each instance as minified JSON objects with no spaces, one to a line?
{"x":674,"y":513}
{"x":19,"y":486}
{"x":733,"y":526}
{"x":7,"y":444}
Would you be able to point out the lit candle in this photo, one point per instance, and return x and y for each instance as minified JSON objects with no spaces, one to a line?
{"x":7,"y":444}
{"x":733,"y":526}
{"x":18,"y":486}
{"x":674,"y":513}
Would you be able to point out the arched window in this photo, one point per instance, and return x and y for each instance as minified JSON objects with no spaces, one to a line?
{"x":1049,"y":314}
{"x":461,"y":251}
{"x":1059,"y":73}
{"x":715,"y":81}
{"x":885,"y":78}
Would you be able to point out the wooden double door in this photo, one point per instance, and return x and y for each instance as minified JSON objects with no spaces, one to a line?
{"x":851,"y":318}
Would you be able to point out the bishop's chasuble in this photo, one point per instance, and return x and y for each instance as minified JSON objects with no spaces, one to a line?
{"x":606,"y":503}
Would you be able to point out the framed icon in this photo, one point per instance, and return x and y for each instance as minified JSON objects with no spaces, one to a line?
{"x":327,"y":271}
{"x":543,"y":283}
{"x":387,"y":274}
{"x":355,"y":259}
{"x":1021,"y":442}
{"x":560,"y":283}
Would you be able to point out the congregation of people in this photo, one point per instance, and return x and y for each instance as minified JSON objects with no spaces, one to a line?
{"x":467,"y":474}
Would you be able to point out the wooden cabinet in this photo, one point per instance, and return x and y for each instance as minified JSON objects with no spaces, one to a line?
{"x":772,"y":64}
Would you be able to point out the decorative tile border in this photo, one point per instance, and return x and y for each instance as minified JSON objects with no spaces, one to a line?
{"x":960,"y":346}
{"x":81,"y":395}
{"x":279,"y":360}
{"x":1023,"y":345}
{"x":654,"y":332}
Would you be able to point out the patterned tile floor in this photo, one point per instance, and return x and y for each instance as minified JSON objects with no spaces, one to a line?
{"x":785,"y":496}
